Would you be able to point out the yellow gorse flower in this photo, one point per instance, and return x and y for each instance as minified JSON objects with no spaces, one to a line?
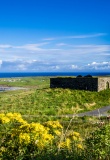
{"x":57,"y":132}
{"x":37,"y":127}
{"x":39,"y":135}
{"x":76,"y":134}
{"x":47,"y":137}
{"x":10,"y":117}
{"x":54,"y":127}
{"x":74,"y":138}
{"x":24,"y":138}
{"x":4,"y":120}
{"x":65,"y":144}
{"x":53,"y":124}
{"x":80,"y":146}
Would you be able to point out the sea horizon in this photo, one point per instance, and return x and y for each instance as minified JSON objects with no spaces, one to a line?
{"x":36,"y":74}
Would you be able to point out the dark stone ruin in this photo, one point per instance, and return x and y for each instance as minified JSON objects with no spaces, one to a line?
{"x":81,"y":83}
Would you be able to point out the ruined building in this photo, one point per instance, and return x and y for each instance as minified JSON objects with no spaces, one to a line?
{"x":81,"y":83}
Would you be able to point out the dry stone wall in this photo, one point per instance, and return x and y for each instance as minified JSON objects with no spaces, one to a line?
{"x":78,"y":83}
{"x":81,"y":83}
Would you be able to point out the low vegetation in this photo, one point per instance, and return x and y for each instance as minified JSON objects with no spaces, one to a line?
{"x":35,"y":123}
{"x":49,"y":140}
{"x":52,"y":102}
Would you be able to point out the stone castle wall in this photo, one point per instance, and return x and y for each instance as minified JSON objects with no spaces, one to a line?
{"x":81,"y":83}
{"x":75,"y":83}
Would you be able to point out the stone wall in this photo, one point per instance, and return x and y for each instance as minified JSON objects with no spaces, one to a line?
{"x":103,"y":83}
{"x":79,"y":83}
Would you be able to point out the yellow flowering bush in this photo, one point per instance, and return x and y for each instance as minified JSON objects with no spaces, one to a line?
{"x":75,"y":136}
{"x":65,"y":144}
{"x":24,"y":138}
{"x":19,"y":138}
{"x":55,"y":127}
{"x":73,"y":139}
{"x":53,"y":124}
{"x":4,"y":119}
{"x":10,"y":117}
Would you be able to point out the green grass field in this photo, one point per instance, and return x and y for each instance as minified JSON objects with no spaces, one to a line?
{"x":39,"y":103}
{"x":38,"y":99}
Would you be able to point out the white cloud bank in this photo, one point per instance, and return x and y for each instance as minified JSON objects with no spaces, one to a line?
{"x":39,"y":66}
{"x":55,"y":56}
{"x":104,"y":66}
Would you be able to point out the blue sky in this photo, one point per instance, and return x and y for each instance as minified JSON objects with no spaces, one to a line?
{"x":54,"y":35}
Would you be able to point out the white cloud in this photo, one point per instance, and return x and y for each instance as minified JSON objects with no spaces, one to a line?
{"x":0,"y":63}
{"x":74,"y":66}
{"x":17,"y":51}
{"x":39,"y":66}
{"x":21,"y":67}
{"x":55,"y":67}
{"x":54,"y":56}
{"x":32,"y":47}
{"x":99,"y":65}
{"x":87,"y":36}
{"x":76,"y":36}
{"x":48,"y":39}
{"x":76,"y":54}
{"x":61,"y":44}
{"x":4,"y":46}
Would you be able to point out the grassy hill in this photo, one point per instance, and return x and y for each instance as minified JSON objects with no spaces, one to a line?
{"x":39,"y":99}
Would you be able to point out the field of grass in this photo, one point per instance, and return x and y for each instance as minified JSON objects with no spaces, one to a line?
{"x":30,"y":82}
{"x":39,"y":103}
{"x":39,"y":99}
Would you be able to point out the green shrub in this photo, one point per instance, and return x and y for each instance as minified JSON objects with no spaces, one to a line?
{"x":21,"y":140}
{"x":98,"y":144}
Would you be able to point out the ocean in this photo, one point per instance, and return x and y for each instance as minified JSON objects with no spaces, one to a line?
{"x":50,"y":74}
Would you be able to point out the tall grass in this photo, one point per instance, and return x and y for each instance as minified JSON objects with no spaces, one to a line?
{"x":52,"y":102}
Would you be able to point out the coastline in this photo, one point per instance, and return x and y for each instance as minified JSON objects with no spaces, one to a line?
{"x":40,"y":74}
{"x":10,"y":88}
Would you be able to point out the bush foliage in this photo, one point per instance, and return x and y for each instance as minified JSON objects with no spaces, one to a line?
{"x":23,"y":140}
